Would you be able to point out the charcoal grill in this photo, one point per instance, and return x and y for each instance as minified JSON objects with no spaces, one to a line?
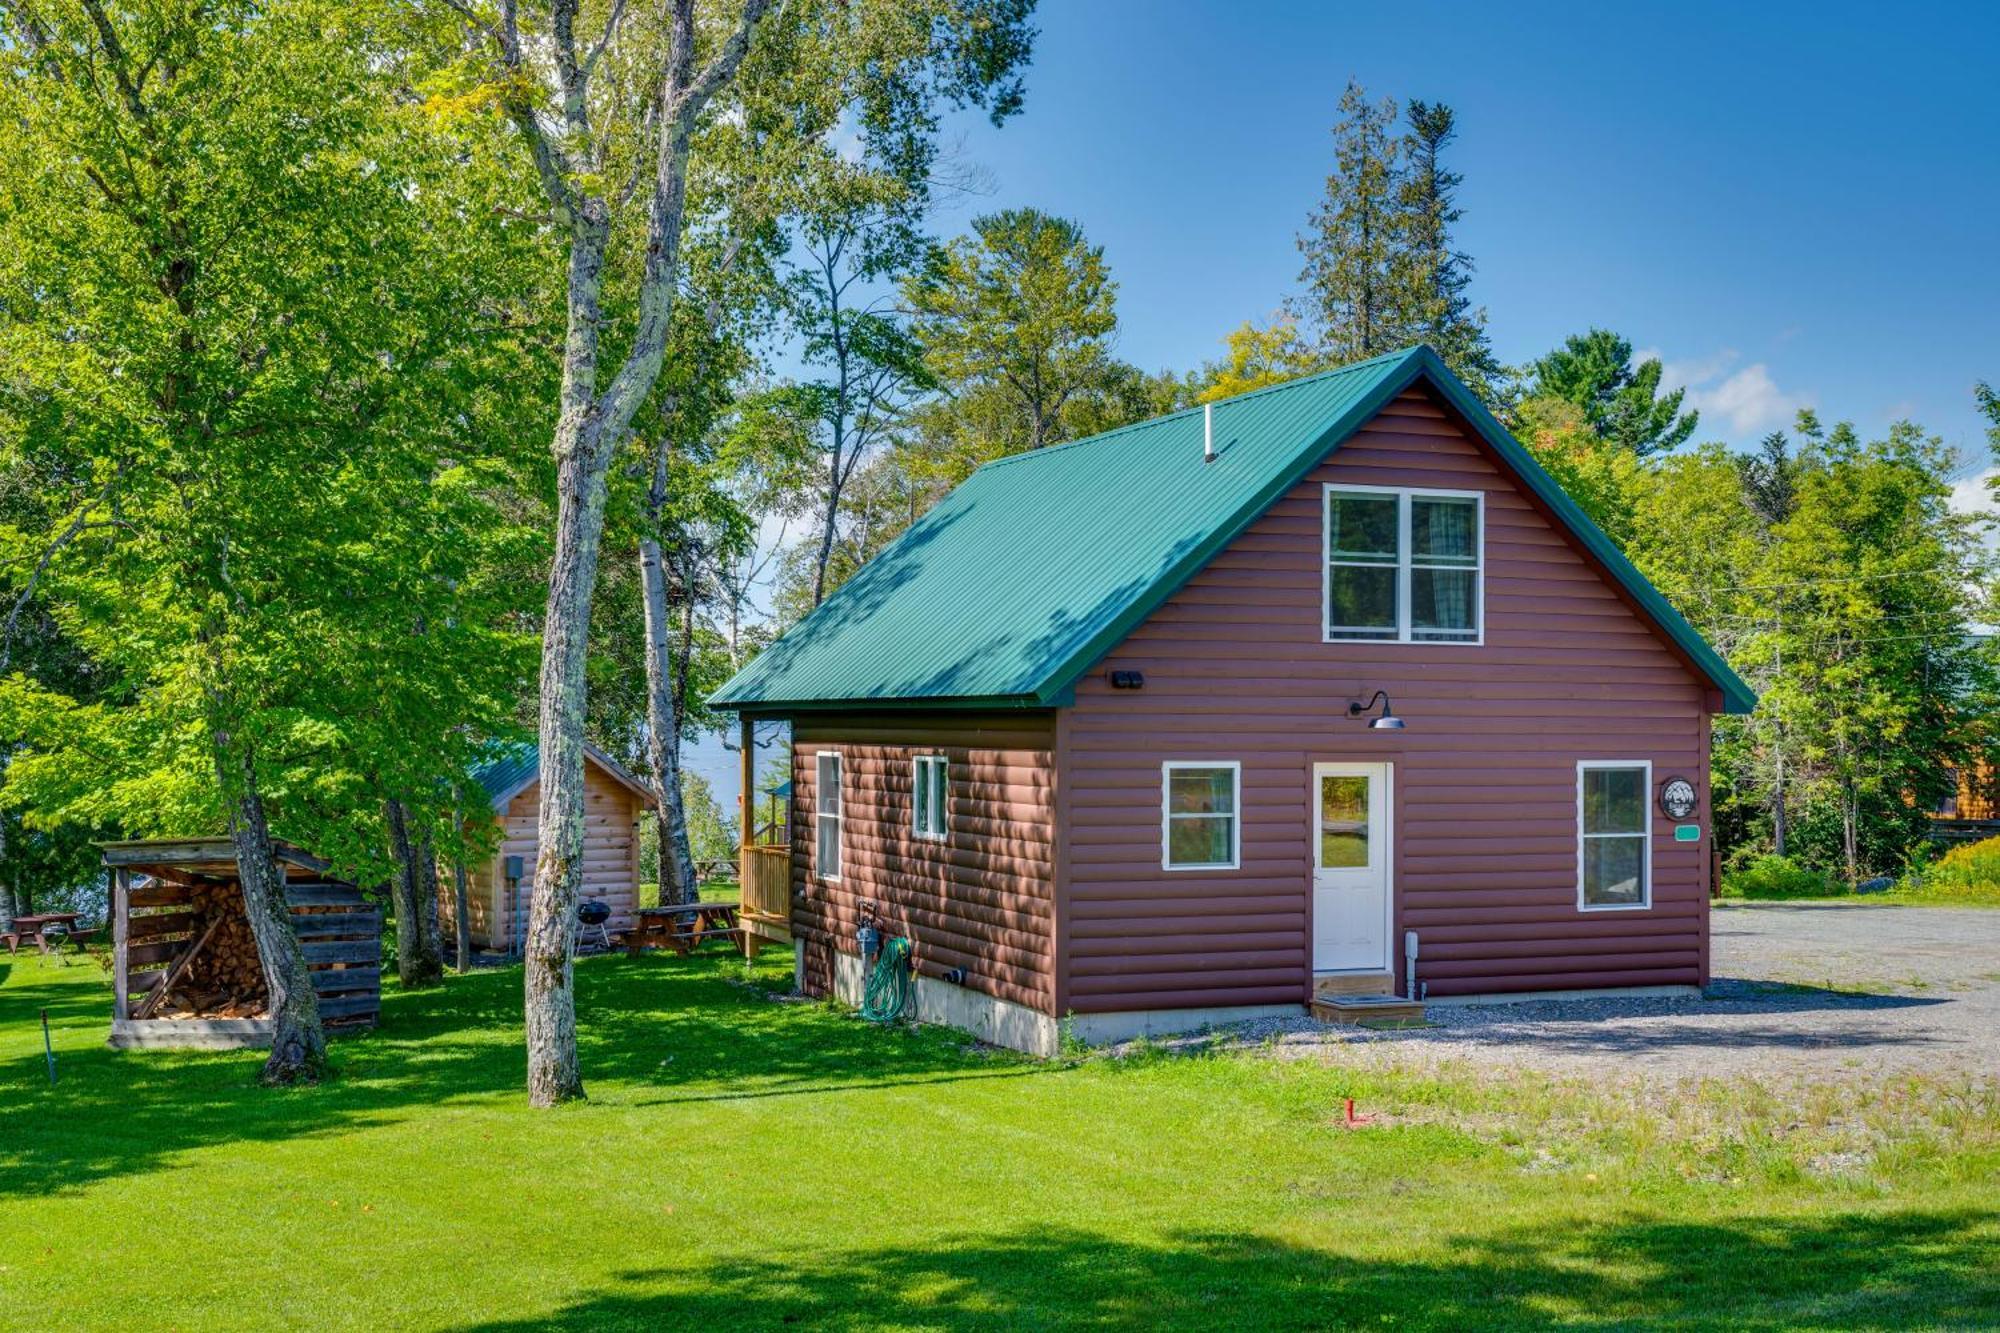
{"x":595,"y":912}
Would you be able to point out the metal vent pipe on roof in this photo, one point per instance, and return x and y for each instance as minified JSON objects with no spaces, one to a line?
{"x":1208,"y":432}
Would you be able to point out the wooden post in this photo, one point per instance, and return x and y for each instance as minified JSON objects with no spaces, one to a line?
{"x":747,"y":801}
{"x":746,"y":807}
{"x":121,"y":893}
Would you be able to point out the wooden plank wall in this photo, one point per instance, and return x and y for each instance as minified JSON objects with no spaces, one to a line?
{"x":479,"y":898}
{"x":1485,"y":839}
{"x":339,"y":931}
{"x":610,"y":850}
{"x":983,"y":899}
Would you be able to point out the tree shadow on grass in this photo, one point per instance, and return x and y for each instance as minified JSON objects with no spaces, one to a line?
{"x":651,"y":1030}
{"x":1885,"y":1270}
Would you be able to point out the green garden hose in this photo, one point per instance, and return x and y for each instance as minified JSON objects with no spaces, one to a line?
{"x":889,"y":983}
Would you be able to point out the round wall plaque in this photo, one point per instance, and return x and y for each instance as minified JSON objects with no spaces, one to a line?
{"x":1678,"y":799}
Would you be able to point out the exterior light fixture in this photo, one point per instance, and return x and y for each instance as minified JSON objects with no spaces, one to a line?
{"x":1387,"y":722}
{"x":1128,"y":680}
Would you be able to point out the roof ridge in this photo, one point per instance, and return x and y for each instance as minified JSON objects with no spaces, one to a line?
{"x":1329,"y":373}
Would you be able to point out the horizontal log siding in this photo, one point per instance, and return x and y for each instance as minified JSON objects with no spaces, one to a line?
{"x":1485,"y":837}
{"x":611,"y":816}
{"x":983,"y":899}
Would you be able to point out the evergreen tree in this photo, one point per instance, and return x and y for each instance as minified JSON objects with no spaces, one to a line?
{"x":1354,"y":242}
{"x":1594,"y":370}
{"x":1434,"y":274}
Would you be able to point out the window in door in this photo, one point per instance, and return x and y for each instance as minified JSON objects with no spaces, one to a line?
{"x":1343,"y":821}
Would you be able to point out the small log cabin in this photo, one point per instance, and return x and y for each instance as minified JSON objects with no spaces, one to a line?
{"x":497,"y":890}
{"x":1193,"y":720}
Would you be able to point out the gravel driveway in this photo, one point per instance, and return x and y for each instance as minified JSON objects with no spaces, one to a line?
{"x":1799,"y":989}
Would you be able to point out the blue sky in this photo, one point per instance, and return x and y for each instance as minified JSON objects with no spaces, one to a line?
{"x":1790,"y":204}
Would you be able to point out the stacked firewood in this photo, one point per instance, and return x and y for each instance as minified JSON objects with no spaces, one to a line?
{"x":228,"y":973}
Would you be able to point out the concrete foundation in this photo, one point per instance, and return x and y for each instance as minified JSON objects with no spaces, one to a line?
{"x":1102,"y":1029}
{"x":1001,"y":1022}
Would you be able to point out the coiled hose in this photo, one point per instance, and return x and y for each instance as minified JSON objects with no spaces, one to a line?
{"x":888,"y":988}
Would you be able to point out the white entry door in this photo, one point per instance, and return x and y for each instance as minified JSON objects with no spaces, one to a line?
{"x":1350,"y":835}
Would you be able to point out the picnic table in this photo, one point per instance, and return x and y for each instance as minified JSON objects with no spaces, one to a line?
{"x":33,"y":924}
{"x":680,"y":926}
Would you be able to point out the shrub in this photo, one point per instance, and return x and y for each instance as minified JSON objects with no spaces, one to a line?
{"x":1967,"y":873}
{"x":1779,"y":877}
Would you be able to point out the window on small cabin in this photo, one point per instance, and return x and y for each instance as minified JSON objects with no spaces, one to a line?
{"x":1402,"y":566}
{"x":826,"y":812}
{"x":1198,"y":815}
{"x":929,"y":803}
{"x":1616,"y":855}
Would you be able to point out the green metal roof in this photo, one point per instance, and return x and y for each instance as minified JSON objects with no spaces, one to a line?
{"x":1022,"y":578}
{"x":504,"y":768}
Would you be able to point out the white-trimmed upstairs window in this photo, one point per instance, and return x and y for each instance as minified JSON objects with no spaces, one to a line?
{"x":1614,"y":835}
{"x":1404,"y":566}
{"x":930,"y":815}
{"x":826,"y":814}
{"x":1200,"y":824}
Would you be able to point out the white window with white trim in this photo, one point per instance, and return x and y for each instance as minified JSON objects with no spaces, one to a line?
{"x":826,"y":814}
{"x":930,"y":816}
{"x":1614,"y":835}
{"x":1403,"y":566}
{"x":1200,"y":814}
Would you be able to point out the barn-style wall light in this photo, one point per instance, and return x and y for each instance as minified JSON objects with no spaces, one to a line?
{"x":1387,"y":722}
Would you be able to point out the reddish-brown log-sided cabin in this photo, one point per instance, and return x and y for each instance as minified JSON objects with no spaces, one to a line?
{"x":1111,"y":733}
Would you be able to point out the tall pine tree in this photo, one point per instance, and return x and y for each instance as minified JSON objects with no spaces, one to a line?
{"x":1381,"y":267}
{"x":1354,"y":240}
{"x":1434,"y":273}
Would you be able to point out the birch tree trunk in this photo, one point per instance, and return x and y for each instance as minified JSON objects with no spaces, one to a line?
{"x":298,"y":1041}
{"x":550,"y":946}
{"x":678,"y":882}
{"x":570,"y":155}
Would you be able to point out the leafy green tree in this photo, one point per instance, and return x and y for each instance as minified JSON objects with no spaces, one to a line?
{"x":244,"y":301}
{"x":1256,"y":357}
{"x":1622,"y":401}
{"x":1601,"y":477}
{"x":873,"y":364}
{"x":619,"y":111}
{"x":1018,"y":316}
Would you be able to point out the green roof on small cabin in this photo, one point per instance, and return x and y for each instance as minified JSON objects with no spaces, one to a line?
{"x":1018,"y":581}
{"x":505,"y":767}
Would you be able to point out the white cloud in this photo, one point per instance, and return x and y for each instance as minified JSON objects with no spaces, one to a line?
{"x":1685,"y":374}
{"x":1750,"y":401}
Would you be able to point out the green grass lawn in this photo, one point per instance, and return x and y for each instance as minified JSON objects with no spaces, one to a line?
{"x":745,"y":1162}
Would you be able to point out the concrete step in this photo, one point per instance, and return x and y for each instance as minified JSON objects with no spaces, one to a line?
{"x":1366,"y":1009}
{"x":1354,"y":983}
